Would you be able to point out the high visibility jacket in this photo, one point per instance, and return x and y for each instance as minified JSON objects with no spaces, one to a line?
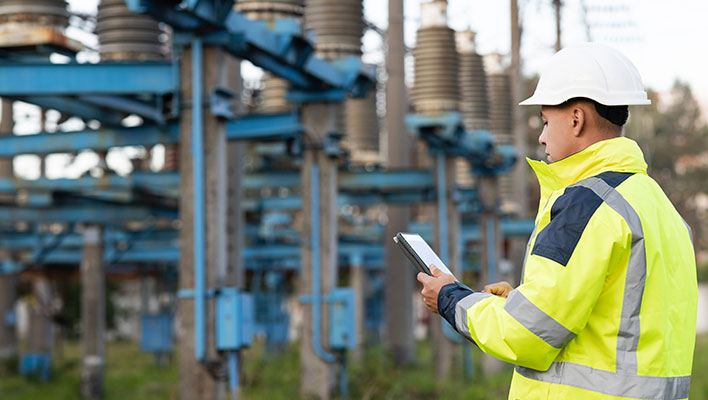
{"x":607,"y":304}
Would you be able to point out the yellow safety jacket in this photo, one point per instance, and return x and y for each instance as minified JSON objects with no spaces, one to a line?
{"x":607,"y":304}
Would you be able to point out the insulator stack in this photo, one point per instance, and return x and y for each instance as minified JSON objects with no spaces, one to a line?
{"x":500,"y":104}
{"x":361,"y":124}
{"x":271,"y":10}
{"x":338,"y":26}
{"x":501,"y":119}
{"x":474,"y":98}
{"x":275,"y":89}
{"x":51,"y":13}
{"x":126,"y":35}
{"x":435,"y":61}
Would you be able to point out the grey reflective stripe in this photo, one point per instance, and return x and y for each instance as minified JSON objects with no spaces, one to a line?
{"x":537,"y":321}
{"x":461,"y":311}
{"x":629,"y":330}
{"x":611,"y":383}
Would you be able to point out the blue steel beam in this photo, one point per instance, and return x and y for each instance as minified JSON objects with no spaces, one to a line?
{"x":389,"y":180}
{"x":264,"y":127}
{"x":128,"y":105}
{"x":103,"y":214}
{"x":101,"y":139}
{"x":31,"y":79}
{"x":74,"y":107}
{"x":139,"y":180}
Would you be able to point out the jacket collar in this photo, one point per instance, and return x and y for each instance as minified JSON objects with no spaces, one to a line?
{"x":619,"y":154}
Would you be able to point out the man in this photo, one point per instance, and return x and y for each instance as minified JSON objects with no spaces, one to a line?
{"x":607,"y":304}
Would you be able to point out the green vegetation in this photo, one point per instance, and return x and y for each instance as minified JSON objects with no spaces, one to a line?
{"x":275,"y":376}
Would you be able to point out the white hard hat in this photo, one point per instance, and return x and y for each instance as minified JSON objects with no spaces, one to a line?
{"x":589,"y":70}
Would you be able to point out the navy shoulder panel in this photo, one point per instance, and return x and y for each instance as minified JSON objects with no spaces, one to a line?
{"x":613,"y":178}
{"x":570,"y":214}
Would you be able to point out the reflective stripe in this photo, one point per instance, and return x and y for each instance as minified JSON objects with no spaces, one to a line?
{"x":461,"y":311}
{"x":629,"y":330}
{"x":537,"y":321}
{"x":611,"y":383}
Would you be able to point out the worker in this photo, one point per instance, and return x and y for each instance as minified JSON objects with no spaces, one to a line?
{"x":606,"y":308}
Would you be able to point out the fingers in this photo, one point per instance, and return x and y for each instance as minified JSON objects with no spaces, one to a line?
{"x":435,"y":271}
{"x":423,"y":277}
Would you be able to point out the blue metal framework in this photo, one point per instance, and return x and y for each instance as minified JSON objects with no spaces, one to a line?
{"x":108,"y":92}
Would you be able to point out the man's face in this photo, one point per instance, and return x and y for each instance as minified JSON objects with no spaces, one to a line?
{"x":557,"y":134}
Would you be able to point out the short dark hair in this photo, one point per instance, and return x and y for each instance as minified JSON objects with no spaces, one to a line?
{"x":618,"y":115}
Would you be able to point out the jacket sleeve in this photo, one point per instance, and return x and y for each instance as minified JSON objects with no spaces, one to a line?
{"x":565,"y":273}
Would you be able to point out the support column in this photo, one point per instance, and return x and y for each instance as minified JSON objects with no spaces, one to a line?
{"x":196,"y":382}
{"x":490,"y":227}
{"x":93,"y":314}
{"x":446,"y":226}
{"x":40,"y":333}
{"x":400,"y":281}
{"x":320,"y":198}
{"x":8,"y":280}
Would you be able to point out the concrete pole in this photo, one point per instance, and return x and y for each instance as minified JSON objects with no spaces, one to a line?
{"x":444,"y":349}
{"x":520,"y":172}
{"x":40,"y":333}
{"x":93,"y":314}
{"x":400,"y":280}
{"x":235,"y":222}
{"x":196,"y":383}
{"x":490,"y":227}
{"x":8,"y":282}
{"x":557,"y":4}
{"x":317,"y":375}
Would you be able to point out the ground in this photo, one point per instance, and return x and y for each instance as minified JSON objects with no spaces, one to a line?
{"x":275,"y":375}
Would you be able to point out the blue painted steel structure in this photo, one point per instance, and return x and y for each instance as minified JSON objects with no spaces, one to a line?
{"x":108,"y":92}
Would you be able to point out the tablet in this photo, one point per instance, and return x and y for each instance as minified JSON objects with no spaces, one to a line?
{"x":419,"y":253}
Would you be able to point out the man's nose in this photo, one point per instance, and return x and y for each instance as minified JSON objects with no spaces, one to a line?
{"x":542,"y":138}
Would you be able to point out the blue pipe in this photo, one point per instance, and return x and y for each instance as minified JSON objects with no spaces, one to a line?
{"x":491,"y":245}
{"x":315,"y":248}
{"x":199,"y":213}
{"x":233,"y":374}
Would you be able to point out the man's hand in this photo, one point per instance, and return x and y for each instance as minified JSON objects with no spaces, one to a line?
{"x":432,"y":286}
{"x":501,"y":289}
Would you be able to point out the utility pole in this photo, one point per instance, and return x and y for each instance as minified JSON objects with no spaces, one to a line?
{"x":197,"y":379}
{"x":520,"y":126}
{"x":8,"y":279}
{"x":318,"y":274}
{"x":557,"y":4}
{"x":93,"y":314}
{"x":399,"y":281}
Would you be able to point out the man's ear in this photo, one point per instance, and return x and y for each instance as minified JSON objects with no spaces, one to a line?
{"x":578,"y":120}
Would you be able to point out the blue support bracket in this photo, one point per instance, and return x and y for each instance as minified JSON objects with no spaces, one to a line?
{"x":445,"y":132}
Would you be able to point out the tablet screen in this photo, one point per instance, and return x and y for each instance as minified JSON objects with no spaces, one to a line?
{"x":420,"y":246}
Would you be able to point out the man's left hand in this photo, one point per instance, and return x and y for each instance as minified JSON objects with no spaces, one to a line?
{"x":432,"y":286}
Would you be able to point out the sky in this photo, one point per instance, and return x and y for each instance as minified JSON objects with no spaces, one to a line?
{"x":663,"y":39}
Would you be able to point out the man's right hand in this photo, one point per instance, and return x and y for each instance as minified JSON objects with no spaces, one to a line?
{"x":501,"y":289}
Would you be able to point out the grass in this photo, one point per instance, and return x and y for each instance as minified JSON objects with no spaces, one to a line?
{"x":133,"y":375}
